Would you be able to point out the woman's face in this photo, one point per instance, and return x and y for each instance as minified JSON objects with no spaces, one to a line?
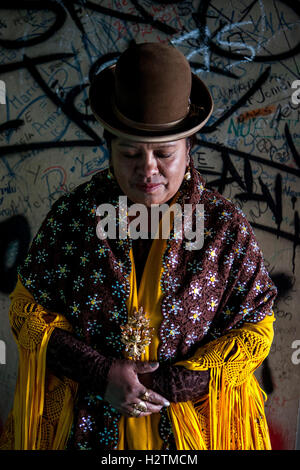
{"x":149,"y":173}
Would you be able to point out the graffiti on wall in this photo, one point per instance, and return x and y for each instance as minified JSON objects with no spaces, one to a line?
{"x":201,"y":40}
{"x":246,"y":52}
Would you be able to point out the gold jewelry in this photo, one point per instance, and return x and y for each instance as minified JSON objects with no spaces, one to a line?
{"x":110,"y":175}
{"x":145,"y":396}
{"x":188,"y":175}
{"x":135,"y":413}
{"x":136,"y":334}
{"x":141,"y":406}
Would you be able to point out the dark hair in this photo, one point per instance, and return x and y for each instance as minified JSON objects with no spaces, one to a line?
{"x":108,"y":137}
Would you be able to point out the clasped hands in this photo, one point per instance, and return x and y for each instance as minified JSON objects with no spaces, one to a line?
{"x":126,"y":390}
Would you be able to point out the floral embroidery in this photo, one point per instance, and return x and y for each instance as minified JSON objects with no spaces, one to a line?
{"x":44,"y":295}
{"x":173,"y":259}
{"x":115,"y":314}
{"x":191,"y":339}
{"x":171,"y":329}
{"x":75,"y":309}
{"x":92,"y":211}
{"x":240,"y":287}
{"x":83,"y":205}
{"x":119,"y":265}
{"x":93,"y":327}
{"x":90,"y":232}
{"x":39,"y":237}
{"x":86,"y":423}
{"x":171,"y":281}
{"x":258,"y":286}
{"x":41,"y":256}
{"x":209,"y":232}
{"x":78,"y":283}
{"x":75,"y":225}
{"x":54,"y":225}
{"x":102,"y":251}
{"x":195,"y":289}
{"x":29,"y":281}
{"x":255,"y":246}
{"x":229,"y":259}
{"x":249,"y":266}
{"x":93,"y":302}
{"x":228,"y":311}
{"x":212,"y":253}
{"x":118,"y":289}
{"x":196,"y":315}
{"x":206,"y":327}
{"x":28,"y":260}
{"x":114,"y":341}
{"x":84,"y":259}
{"x":216,"y":201}
{"x":62,"y":271}
{"x":175,"y":306}
{"x":69,"y":248}
{"x":225,"y":215}
{"x":48,"y":276}
{"x":246,"y":309}
{"x":229,"y":237}
{"x":211,"y":278}
{"x":194,"y":266}
{"x":63,"y":207}
{"x":212,"y":304}
{"x":97,"y":276}
{"x":244,"y":230}
{"x":239,"y":250}
{"x":88,"y":187}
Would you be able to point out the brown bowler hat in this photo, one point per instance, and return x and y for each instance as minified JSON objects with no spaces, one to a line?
{"x":150,"y":95}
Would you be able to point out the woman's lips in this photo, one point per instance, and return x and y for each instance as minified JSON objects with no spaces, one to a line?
{"x":148,"y":188}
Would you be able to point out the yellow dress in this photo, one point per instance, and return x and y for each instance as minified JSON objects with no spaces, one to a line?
{"x":230,"y":416}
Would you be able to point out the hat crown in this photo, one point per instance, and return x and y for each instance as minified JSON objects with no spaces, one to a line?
{"x":150,"y":95}
{"x":152,"y":84}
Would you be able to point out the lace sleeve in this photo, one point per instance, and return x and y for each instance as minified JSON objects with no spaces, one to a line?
{"x":179,"y":384}
{"x":70,"y":357}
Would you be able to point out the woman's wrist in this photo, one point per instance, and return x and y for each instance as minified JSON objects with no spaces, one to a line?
{"x":178,"y":384}
{"x":70,"y":357}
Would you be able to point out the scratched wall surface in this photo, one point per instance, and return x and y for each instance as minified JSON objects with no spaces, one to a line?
{"x":247,"y":52}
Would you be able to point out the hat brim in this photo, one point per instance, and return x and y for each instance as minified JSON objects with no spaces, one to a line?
{"x":100,"y":95}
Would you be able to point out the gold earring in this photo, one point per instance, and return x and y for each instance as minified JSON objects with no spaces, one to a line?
{"x":110,"y":175}
{"x":188,"y":175}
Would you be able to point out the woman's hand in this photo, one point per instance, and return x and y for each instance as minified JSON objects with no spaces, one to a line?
{"x":124,"y":390}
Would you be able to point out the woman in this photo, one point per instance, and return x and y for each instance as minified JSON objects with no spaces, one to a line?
{"x":142,"y":342}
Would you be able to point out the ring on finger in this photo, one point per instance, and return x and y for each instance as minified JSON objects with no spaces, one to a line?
{"x":145,"y":396}
{"x":140,"y":406}
{"x":135,"y":412}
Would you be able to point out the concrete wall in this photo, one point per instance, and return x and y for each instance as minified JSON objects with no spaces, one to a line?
{"x":248,"y":54}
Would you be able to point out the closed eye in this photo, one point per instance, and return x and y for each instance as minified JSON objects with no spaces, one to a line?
{"x":164,"y":155}
{"x":159,"y":155}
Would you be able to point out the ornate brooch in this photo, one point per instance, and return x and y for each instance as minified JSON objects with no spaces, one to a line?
{"x":136,"y":334}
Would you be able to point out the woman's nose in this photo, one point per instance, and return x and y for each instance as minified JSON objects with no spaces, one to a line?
{"x":148,"y":164}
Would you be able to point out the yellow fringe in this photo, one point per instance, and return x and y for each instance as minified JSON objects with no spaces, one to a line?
{"x":38,"y":420}
{"x":186,"y":424}
{"x":231,"y":416}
